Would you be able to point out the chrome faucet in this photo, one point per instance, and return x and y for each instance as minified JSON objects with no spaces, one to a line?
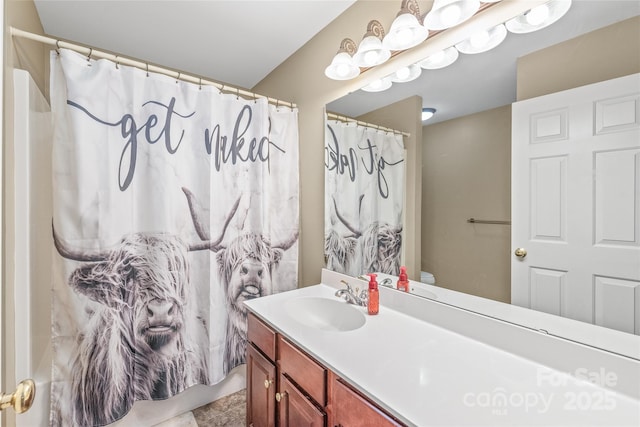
{"x":387,"y":282}
{"x":351,"y":296}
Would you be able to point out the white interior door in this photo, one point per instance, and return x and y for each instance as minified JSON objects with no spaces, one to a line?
{"x":576,"y":203}
{"x":33,"y":243}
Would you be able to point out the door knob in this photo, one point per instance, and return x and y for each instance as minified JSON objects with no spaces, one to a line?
{"x":520,"y":252}
{"x":21,"y":399}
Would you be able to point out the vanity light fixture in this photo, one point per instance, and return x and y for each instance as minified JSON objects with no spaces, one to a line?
{"x":440,"y":59}
{"x":378,"y":85}
{"x":483,"y":41}
{"x":406,"y":30}
{"x":371,"y":52}
{"x":449,"y":13}
{"x":539,"y":17}
{"x":427,"y":113}
{"x":342,"y":66}
{"x":406,"y":74}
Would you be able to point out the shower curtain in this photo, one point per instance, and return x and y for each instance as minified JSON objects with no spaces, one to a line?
{"x":364,"y":194}
{"x":173,"y":204}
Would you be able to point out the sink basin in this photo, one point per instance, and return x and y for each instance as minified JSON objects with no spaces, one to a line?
{"x":324,"y":313}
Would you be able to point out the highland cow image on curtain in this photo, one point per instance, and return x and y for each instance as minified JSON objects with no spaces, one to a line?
{"x":173,"y":204}
{"x":364,"y":196}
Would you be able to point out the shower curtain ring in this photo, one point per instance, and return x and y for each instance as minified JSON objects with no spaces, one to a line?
{"x":200,"y":84}
{"x":89,"y":56}
{"x":117,"y":63}
{"x":178,"y":78}
{"x":58,"y":47}
{"x":237,"y":93}
{"x":147,"y":64}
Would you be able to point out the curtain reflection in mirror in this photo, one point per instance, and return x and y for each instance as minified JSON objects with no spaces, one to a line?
{"x":364,"y":196}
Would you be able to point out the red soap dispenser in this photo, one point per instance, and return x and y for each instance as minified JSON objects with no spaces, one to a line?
{"x":373,"y":303}
{"x":403,"y":282}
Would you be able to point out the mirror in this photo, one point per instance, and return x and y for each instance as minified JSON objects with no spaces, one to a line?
{"x":481,"y":88}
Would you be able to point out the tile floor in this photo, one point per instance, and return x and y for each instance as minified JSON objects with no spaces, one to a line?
{"x":228,"y":412}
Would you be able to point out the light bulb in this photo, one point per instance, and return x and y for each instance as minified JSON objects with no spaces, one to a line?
{"x":538,"y":15}
{"x":437,"y":58}
{"x":403,"y":73}
{"x":377,"y":84}
{"x":342,"y":70}
{"x":404,"y":36}
{"x":479,"y":39}
{"x":371,"y":57}
{"x":450,"y":14}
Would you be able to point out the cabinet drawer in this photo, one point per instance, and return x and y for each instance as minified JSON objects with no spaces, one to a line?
{"x":303,"y":370}
{"x":261,"y":336}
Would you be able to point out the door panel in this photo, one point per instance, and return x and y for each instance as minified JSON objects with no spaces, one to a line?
{"x":548,"y":198}
{"x":617,"y":303}
{"x":617,"y":196}
{"x":576,"y":203}
{"x":33,"y":244}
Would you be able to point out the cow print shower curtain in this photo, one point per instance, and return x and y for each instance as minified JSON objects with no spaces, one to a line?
{"x":173,"y":204}
{"x":364,"y":197}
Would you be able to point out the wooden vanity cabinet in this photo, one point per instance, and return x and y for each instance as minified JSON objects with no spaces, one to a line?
{"x":288,"y":388}
{"x":350,"y":409}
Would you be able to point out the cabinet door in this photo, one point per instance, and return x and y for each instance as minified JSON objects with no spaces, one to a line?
{"x":261,"y":389}
{"x":296,"y":409}
{"x":349,"y":409}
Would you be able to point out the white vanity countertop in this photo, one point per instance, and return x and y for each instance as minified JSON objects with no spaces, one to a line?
{"x":426,"y":375}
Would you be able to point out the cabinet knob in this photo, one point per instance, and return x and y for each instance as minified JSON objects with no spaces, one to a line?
{"x":280,"y":396}
{"x":267,"y":383}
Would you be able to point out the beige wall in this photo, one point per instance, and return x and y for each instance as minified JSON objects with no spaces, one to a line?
{"x":604,"y":54}
{"x":466,"y":173}
{"x":30,"y":56}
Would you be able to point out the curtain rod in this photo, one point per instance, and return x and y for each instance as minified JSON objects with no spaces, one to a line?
{"x":369,"y":125}
{"x":95,"y":53}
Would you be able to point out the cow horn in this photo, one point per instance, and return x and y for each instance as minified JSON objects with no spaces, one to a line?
{"x":344,"y":221}
{"x":77,"y":255}
{"x":196,"y":211}
{"x":202,"y":230}
{"x":287,"y":243}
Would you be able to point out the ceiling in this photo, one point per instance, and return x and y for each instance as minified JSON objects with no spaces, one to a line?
{"x":239,"y":42}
